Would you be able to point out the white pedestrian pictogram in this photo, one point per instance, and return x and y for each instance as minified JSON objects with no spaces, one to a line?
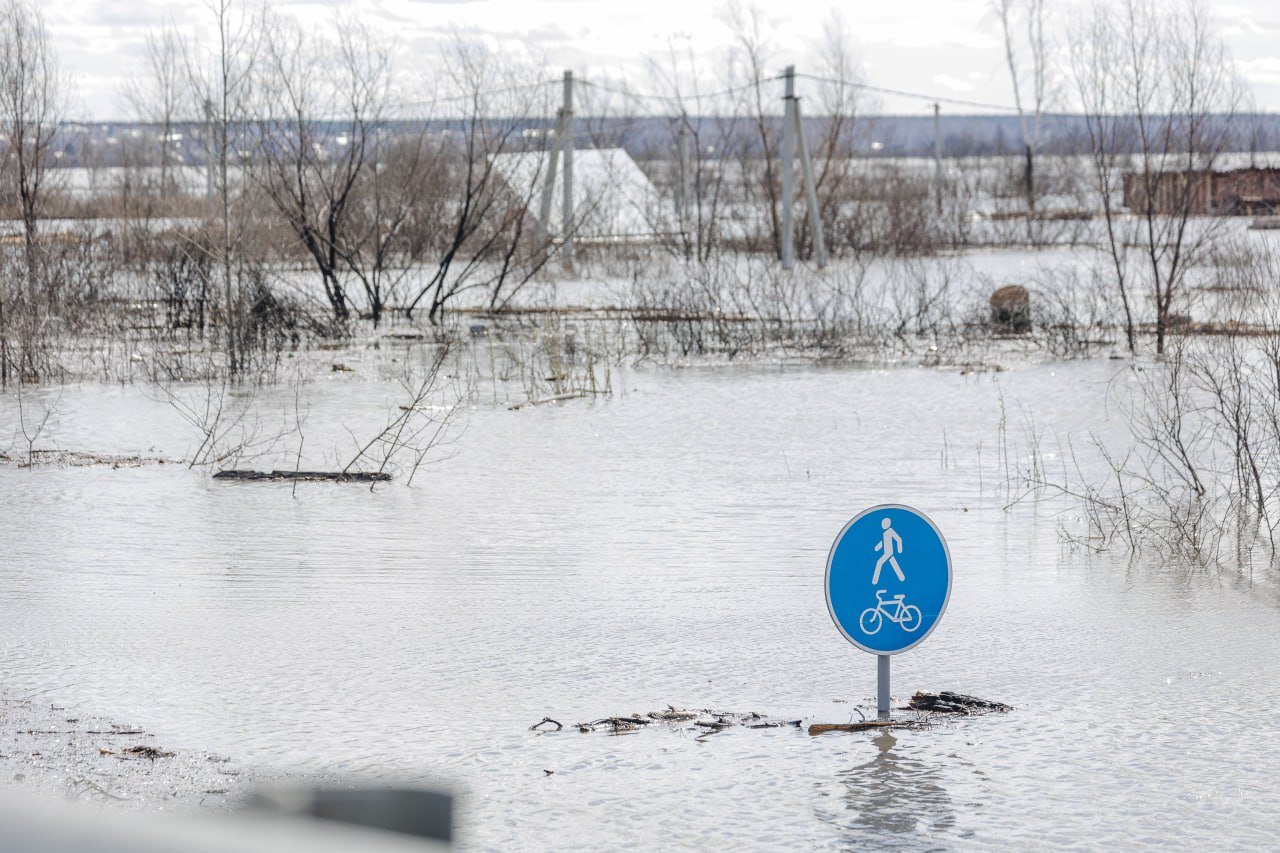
{"x":886,"y":545}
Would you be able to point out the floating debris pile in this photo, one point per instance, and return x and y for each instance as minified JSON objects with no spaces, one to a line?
{"x":704,"y":720}
{"x":947,"y":702}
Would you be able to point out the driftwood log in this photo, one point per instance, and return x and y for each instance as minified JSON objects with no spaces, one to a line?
{"x":335,"y":476}
{"x":867,"y":725}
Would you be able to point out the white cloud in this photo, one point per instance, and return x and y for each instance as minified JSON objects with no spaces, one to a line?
{"x":931,"y":46}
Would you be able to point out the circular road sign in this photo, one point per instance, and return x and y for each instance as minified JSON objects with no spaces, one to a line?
{"x":888,"y":579}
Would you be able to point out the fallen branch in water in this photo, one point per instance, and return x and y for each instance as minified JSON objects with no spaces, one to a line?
{"x":577,"y":395}
{"x":334,"y":476}
{"x":544,"y":721}
{"x":868,"y":725}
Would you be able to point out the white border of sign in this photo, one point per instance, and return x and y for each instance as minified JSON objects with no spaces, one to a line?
{"x":826,"y":580}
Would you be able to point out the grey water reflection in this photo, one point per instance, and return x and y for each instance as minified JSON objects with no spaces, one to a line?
{"x":893,"y":798}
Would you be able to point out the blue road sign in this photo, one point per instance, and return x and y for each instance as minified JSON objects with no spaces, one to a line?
{"x":888,"y":579}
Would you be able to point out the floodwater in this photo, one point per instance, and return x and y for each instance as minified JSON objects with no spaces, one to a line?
{"x":664,"y":545}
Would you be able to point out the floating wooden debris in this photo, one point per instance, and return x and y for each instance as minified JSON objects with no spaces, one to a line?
{"x":78,"y":459}
{"x":947,"y":702}
{"x":147,"y":752}
{"x":704,"y":720}
{"x":334,"y":476}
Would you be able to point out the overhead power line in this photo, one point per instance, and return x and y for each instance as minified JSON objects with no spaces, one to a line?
{"x":677,"y":99}
{"x":695,"y":97}
{"x":903,"y":93}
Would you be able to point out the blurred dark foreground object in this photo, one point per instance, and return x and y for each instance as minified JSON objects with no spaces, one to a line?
{"x":410,"y":811}
{"x":319,"y":821}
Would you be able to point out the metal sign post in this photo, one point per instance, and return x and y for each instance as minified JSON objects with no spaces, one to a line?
{"x":882,"y":687}
{"x":888,"y":582}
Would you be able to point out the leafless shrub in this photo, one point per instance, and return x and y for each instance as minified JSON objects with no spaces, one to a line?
{"x":1199,"y":476}
{"x":417,"y":431}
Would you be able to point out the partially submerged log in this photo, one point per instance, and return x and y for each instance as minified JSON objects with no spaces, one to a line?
{"x":866,"y":725}
{"x":334,"y":476}
{"x":947,"y":702}
{"x":558,"y":398}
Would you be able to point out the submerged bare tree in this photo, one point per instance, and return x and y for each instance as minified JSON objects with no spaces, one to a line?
{"x":323,"y":98}
{"x":1158,"y":89}
{"x":701,"y":134}
{"x":1027,"y":55}
{"x":223,"y":96}
{"x":840,"y":107}
{"x":474,"y":246}
{"x":158,"y":97}
{"x":749,"y":61}
{"x":30,"y":101}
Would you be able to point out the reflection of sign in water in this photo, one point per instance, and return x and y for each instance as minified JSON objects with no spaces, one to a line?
{"x":899,"y":607}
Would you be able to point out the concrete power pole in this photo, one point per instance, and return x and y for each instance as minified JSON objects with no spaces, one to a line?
{"x":549,"y":184}
{"x":561,"y":148}
{"x":566,"y":209}
{"x":810,"y":189}
{"x":683,"y":181}
{"x":937,"y":155}
{"x":793,"y":134}
{"x":788,"y":158}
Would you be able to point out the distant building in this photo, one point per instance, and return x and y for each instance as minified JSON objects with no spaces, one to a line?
{"x":1234,"y":192}
{"x":611,"y":194}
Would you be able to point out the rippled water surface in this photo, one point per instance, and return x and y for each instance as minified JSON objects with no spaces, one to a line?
{"x":665,"y":545}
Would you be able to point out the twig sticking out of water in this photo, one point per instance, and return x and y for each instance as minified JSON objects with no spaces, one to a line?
{"x":545,"y":721}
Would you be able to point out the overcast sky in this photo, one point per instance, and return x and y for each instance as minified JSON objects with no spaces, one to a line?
{"x":941,"y":47}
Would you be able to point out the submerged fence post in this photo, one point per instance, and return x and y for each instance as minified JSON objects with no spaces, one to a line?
{"x":566,"y":210}
{"x":788,"y":157}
